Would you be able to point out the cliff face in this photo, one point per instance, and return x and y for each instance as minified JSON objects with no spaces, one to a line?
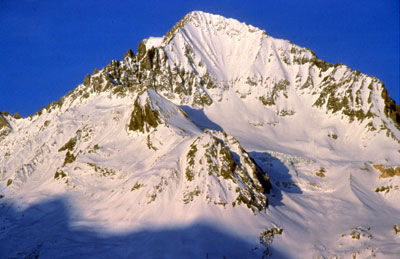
{"x":5,"y":127}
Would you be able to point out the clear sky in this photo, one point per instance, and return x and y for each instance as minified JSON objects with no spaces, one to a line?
{"x":48,"y":46}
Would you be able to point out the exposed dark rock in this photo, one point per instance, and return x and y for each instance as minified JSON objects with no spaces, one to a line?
{"x":129,"y":54}
{"x":70,"y":145}
{"x":69,"y":158}
{"x":86,"y":81}
{"x":5,"y":127}
{"x":17,"y":116}
{"x":143,"y":118}
{"x":219,"y":161}
{"x":391,"y":109}
{"x":3,"y":122}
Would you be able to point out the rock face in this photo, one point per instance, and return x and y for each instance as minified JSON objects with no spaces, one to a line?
{"x":216,"y":123}
{"x":223,"y":160}
{"x":391,"y":109}
{"x":3,"y":122}
{"x":5,"y":127}
{"x":143,"y":118}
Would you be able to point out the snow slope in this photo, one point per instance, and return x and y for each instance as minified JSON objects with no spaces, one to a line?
{"x":214,"y":140}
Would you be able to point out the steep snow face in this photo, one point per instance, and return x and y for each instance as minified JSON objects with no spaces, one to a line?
{"x":221,"y":66}
{"x":191,"y":138}
{"x":227,"y":48}
{"x":289,"y":82}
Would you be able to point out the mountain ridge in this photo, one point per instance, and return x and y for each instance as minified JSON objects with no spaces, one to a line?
{"x":332,"y":103}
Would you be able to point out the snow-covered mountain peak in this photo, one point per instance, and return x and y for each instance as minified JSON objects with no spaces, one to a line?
{"x":197,"y":18}
{"x":211,"y":22}
{"x":212,"y":65}
{"x":205,"y":64}
{"x":226,"y":47}
{"x":209,"y":124}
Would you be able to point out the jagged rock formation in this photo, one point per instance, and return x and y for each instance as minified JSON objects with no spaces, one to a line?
{"x":223,"y":159}
{"x":5,"y":127}
{"x":184,"y":68}
{"x":143,"y":118}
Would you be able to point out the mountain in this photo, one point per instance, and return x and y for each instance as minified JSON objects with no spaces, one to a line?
{"x":215,"y":140}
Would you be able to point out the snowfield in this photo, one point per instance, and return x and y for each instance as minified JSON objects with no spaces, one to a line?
{"x":214,"y":141}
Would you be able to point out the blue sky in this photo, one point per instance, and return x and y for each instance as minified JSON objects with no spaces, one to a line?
{"x":47,"y":46}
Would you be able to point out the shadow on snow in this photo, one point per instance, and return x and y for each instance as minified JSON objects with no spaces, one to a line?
{"x":44,"y":231}
{"x":280,"y":178}
{"x":200,"y":118}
